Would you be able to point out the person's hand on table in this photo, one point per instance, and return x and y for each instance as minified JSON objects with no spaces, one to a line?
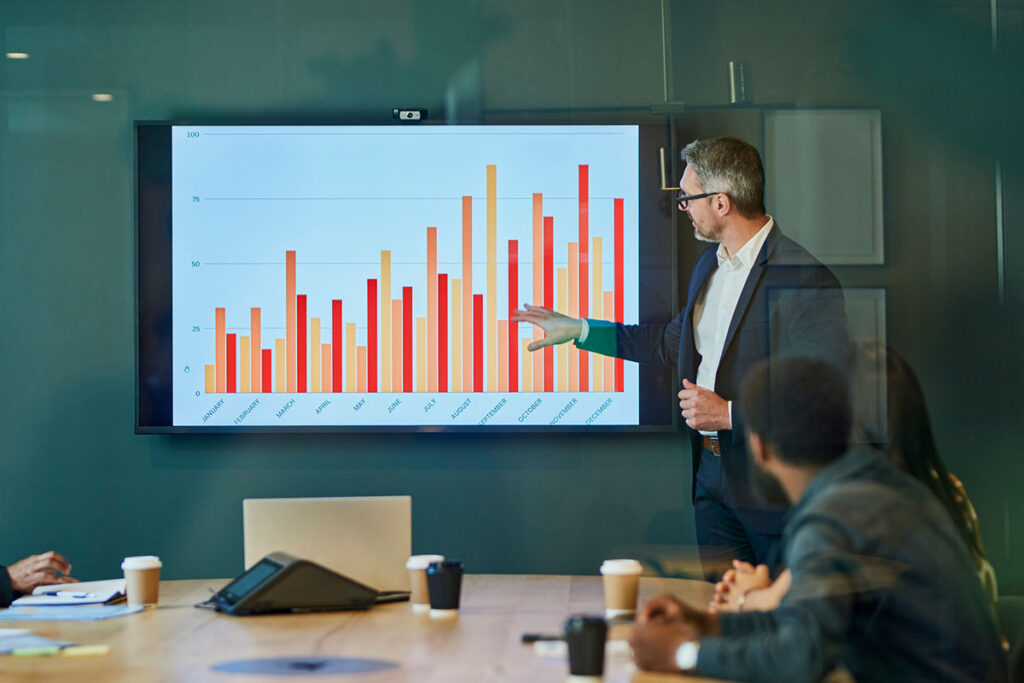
{"x":662,"y":625}
{"x":39,"y":570}
{"x":558,"y":328}
{"x":732,"y":591}
{"x":746,"y":587}
{"x":665,"y":607}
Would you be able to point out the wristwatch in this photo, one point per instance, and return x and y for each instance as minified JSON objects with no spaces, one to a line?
{"x":686,"y":656}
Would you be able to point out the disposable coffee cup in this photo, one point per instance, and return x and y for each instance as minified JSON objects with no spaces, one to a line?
{"x":585,"y":636}
{"x":419,"y":595}
{"x":621,"y":580}
{"x":142,"y":579}
{"x":444,"y":583}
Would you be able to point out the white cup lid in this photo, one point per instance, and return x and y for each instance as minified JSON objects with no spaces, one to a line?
{"x":621,"y":567}
{"x":141,"y":562}
{"x":422,"y":561}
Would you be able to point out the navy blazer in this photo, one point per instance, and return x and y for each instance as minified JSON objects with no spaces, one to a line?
{"x":790,"y":305}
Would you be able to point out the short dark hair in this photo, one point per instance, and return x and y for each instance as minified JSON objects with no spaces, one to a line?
{"x":731,"y":166}
{"x":799,"y":406}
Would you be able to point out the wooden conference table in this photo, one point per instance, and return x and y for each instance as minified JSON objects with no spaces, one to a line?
{"x":177,"y":642}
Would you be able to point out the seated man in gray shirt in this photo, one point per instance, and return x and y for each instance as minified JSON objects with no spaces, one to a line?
{"x":882,"y":583}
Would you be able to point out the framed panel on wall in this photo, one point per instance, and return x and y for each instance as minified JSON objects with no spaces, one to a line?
{"x":823,"y":171}
{"x":865,"y":313}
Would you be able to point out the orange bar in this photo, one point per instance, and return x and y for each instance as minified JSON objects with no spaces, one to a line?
{"x":609,"y":361}
{"x":291,"y":332}
{"x":351,"y":360}
{"x":396,"y":345}
{"x":574,"y":312}
{"x":325,"y":368}
{"x":314,"y":355}
{"x":467,"y":294}
{"x":221,"y":344}
{"x":211,"y":378}
{"x":431,"y":309}
{"x":243,"y":364}
{"x":256,"y":384}
{"x":537,"y":295}
{"x":527,"y":362}
{"x":455,"y":338}
{"x":361,"y":368}
{"x":596,"y":307}
{"x":562,"y":360}
{"x":281,"y":369}
{"x":385,"y":321}
{"x":492,"y":278}
{"x":421,"y":357}
{"x":503,"y":355}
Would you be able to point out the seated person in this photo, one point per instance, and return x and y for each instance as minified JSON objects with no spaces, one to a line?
{"x":882,"y":583}
{"x":36,"y":570}
{"x":878,"y":377}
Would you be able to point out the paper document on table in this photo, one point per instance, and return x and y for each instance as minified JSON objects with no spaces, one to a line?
{"x":85,"y":593}
{"x":8,"y":632}
{"x":68,"y":613}
{"x":27,"y":640}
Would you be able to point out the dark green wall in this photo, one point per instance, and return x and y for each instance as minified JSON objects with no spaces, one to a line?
{"x":76,"y":478}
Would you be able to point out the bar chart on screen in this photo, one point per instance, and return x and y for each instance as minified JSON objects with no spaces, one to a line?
{"x":366,"y":276}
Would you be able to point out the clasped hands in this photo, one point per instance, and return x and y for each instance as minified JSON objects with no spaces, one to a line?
{"x":746,"y":587}
{"x":665,"y":622}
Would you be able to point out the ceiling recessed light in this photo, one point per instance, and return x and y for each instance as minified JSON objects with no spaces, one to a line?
{"x":17,"y":55}
{"x":102,"y":97}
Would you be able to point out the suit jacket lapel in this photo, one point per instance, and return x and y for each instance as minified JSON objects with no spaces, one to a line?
{"x":702,"y":272}
{"x":753,"y":279}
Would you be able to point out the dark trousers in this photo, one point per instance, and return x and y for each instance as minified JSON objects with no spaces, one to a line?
{"x":726,"y":533}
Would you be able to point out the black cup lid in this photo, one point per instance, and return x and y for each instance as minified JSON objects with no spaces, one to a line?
{"x":446,"y":564}
{"x":578,"y":622}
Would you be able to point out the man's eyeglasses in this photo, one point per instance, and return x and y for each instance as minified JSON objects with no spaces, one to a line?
{"x":684,"y":199}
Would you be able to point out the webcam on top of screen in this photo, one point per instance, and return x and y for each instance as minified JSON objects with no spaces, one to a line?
{"x":409,"y":115}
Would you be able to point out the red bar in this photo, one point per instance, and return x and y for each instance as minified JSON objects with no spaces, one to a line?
{"x":584,"y":269}
{"x":337,"y":347}
{"x":232,"y":360}
{"x":442,"y":332}
{"x":300,"y":341}
{"x":478,"y":342}
{"x":407,"y":348}
{"x":267,"y":360}
{"x":513,"y":326}
{"x":549,"y":297}
{"x":620,"y":372}
{"x":371,"y":335}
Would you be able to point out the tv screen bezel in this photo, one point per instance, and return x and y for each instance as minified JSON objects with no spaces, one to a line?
{"x":152,"y":203}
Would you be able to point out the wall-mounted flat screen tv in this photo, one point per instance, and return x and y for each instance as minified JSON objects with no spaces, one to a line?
{"x":346,"y":278}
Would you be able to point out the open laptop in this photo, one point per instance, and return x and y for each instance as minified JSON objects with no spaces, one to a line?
{"x":367,"y":539}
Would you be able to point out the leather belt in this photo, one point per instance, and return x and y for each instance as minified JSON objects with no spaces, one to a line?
{"x":711,"y":443}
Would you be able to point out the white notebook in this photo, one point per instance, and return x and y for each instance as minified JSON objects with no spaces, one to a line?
{"x":84,"y":593}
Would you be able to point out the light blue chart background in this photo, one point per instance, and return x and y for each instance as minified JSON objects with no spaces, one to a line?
{"x":338,"y":196}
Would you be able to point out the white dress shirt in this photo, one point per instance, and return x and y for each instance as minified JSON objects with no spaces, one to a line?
{"x":715,"y":306}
